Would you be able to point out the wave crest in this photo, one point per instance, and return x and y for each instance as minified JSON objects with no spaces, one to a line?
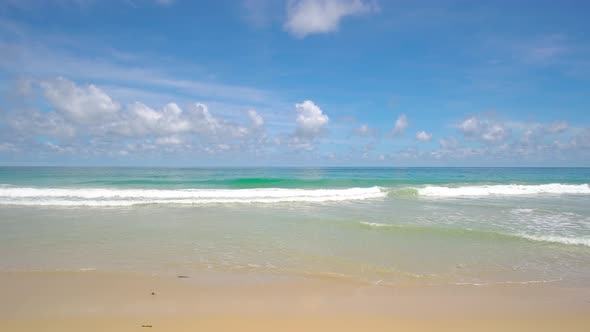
{"x":128,"y":197}
{"x":504,"y":190}
{"x":578,"y":241}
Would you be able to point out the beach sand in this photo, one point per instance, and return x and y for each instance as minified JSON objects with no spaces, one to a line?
{"x":99,"y":301}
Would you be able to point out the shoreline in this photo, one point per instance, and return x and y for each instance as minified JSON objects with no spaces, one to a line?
{"x":94,"y":301}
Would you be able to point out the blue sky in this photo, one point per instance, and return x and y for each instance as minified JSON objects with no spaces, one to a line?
{"x":297,"y":82}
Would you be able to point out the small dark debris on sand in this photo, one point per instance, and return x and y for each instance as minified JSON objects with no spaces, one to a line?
{"x":182,"y":277}
{"x":153,"y":293}
{"x":146,"y":326}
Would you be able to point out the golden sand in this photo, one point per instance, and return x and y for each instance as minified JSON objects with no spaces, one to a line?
{"x":96,"y":301}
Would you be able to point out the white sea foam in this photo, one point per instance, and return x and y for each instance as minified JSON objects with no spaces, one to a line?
{"x":504,"y":190}
{"x":583,"y":241}
{"x":128,"y":197}
{"x":375,"y":224}
{"x":522,"y":211}
{"x":558,"y":239}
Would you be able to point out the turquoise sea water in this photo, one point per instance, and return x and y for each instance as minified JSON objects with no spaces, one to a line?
{"x":388,"y":226}
{"x":234,"y":178}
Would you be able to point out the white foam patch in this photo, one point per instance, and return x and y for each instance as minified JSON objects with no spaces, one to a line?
{"x":522,"y":211}
{"x":128,"y":197}
{"x":375,"y":224}
{"x":558,"y":239}
{"x":504,"y":190}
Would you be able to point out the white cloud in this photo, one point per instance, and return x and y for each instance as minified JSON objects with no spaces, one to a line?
{"x":557,"y":127}
{"x":310,"y":119}
{"x":484,"y":129}
{"x":206,"y":124}
{"x":169,"y":140}
{"x":364,"y":131}
{"x":140,"y":119}
{"x":305,"y":17}
{"x":469,"y":126}
{"x":502,"y":141}
{"x":84,"y":105}
{"x":88,"y":120}
{"x":27,"y":123}
{"x":495,"y":132}
{"x":202,"y":120}
{"x":8,"y":147}
{"x":255,"y":119}
{"x":400,"y":125}
{"x":423,"y":136}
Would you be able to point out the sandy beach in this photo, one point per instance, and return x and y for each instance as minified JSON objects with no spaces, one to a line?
{"x":97,"y":301}
{"x":80,"y":257}
{"x":294,"y":165}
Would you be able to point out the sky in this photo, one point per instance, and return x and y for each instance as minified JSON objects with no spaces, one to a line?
{"x":294,"y":83}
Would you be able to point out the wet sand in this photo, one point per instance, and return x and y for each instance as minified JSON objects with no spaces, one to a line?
{"x":97,"y":301}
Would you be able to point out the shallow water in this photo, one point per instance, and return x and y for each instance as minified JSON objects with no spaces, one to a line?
{"x":388,"y":226}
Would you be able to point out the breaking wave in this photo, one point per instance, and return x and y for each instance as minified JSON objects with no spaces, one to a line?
{"x":129,"y":197}
{"x":580,"y":241}
{"x":504,"y":190}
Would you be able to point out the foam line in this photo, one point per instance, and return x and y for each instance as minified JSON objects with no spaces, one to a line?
{"x":127,"y":197}
{"x":504,"y":190}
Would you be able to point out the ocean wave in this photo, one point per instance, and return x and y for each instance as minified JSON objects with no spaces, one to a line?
{"x":129,"y":197}
{"x":503,"y":190}
{"x":557,"y":239}
{"x":580,"y":241}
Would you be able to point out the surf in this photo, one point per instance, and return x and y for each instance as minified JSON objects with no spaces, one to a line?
{"x":129,"y":197}
{"x":473,"y":233}
{"x":503,"y":190}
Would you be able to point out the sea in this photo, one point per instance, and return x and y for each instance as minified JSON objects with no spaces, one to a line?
{"x":375,"y":226}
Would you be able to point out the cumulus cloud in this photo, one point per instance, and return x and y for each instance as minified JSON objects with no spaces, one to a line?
{"x":486,"y":129}
{"x":483,"y":129}
{"x":310,"y":119}
{"x":400,"y":125}
{"x":495,"y":133}
{"x":140,"y":119}
{"x":305,"y":17}
{"x":86,"y":117}
{"x":423,"y":136}
{"x":202,"y":120}
{"x":83,"y":105}
{"x":84,"y":120}
{"x":487,"y":138}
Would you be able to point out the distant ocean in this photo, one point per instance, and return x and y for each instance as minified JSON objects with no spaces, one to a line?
{"x":391,"y":226}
